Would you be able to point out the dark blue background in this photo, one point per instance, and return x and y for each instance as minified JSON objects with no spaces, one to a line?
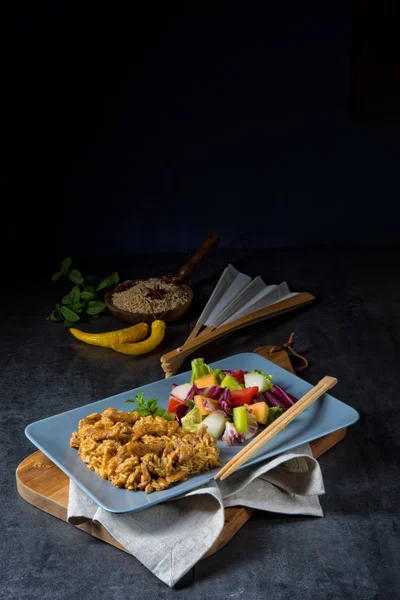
{"x":145,"y":130}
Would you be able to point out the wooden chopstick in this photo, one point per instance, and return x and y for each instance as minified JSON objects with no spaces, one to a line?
{"x":265,"y":436}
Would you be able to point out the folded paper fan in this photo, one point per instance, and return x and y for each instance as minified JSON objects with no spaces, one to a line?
{"x":236,"y":301}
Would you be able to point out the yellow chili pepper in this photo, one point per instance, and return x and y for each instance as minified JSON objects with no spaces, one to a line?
{"x":111,"y":338}
{"x":156,"y":337}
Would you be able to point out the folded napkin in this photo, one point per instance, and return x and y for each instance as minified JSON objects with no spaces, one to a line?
{"x":170,"y":538}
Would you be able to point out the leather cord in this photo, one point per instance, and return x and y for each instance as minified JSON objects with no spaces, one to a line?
{"x":288,"y":346}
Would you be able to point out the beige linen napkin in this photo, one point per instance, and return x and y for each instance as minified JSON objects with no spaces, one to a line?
{"x":170,"y":538}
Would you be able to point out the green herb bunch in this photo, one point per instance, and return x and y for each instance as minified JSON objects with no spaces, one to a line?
{"x":148,"y":407}
{"x":83,"y":298}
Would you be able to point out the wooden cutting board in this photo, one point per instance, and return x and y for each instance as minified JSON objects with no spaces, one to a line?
{"x":44,"y":485}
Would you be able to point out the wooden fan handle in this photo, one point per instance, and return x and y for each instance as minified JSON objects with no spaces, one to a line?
{"x":209,"y":242}
{"x":168,"y":359}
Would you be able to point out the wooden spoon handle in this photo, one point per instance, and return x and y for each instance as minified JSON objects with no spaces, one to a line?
{"x":209,"y":242}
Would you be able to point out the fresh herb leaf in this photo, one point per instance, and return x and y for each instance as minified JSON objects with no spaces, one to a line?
{"x":75,"y":294}
{"x":94,"y":308}
{"x":82,"y":298}
{"x":109,"y":281}
{"x":147,"y":408}
{"x":152,"y":405}
{"x":68,"y":323}
{"x":142,"y":411}
{"x":159,"y":412}
{"x":78,"y":307}
{"x":87,"y":287}
{"x":69,"y":314}
{"x":140,"y":399}
{"x":65,"y":265}
{"x":75,"y":276}
{"x":87,"y":296}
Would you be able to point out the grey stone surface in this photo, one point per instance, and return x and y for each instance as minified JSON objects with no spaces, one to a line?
{"x":351,"y":331}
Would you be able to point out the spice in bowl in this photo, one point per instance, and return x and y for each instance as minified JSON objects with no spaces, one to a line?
{"x":150,"y":296}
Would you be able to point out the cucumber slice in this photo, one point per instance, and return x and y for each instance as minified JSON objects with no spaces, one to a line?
{"x":240,"y":419}
{"x":169,"y":416}
{"x":231,"y":383}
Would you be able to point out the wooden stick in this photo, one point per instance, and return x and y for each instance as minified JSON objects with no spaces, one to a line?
{"x":265,"y":436}
{"x":171,"y":368}
{"x":194,"y":332}
{"x":170,"y":359}
{"x":207,"y":330}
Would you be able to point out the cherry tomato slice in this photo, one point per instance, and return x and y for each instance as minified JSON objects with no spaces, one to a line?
{"x":239,"y":375}
{"x":174,"y":403}
{"x":244,"y":396}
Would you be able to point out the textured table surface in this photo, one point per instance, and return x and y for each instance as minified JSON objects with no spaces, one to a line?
{"x":352,"y":331}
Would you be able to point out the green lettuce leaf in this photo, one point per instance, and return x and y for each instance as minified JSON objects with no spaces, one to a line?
{"x":199,"y":368}
{"x":273,"y":413}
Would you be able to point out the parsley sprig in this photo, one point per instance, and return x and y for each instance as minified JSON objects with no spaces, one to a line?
{"x":148,"y":407}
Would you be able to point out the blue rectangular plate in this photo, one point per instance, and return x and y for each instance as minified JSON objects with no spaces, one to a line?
{"x":52,"y":435}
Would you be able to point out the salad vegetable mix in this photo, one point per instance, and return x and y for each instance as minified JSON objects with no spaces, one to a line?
{"x":232,"y":404}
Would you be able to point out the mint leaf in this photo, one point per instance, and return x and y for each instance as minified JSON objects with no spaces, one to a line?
{"x":65,"y":265}
{"x":69,"y":314}
{"x":68,"y":323}
{"x":147,"y":408}
{"x":109,"y":281}
{"x":82,"y":298}
{"x":142,"y":411}
{"x":139,"y":398}
{"x":78,"y":307}
{"x":75,"y":294}
{"x":141,"y":408}
{"x":87,"y":296}
{"x":75,"y":276}
{"x":87,"y":287}
{"x":159,"y":412}
{"x":94,"y":308}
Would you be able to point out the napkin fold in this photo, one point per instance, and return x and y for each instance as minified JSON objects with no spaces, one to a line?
{"x":170,"y":538}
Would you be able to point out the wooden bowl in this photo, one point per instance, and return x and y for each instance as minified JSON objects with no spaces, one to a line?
{"x":133,"y":318}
